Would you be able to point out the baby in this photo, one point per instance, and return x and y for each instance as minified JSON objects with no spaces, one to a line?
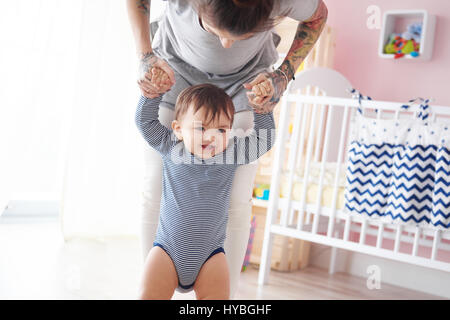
{"x":200,"y":157}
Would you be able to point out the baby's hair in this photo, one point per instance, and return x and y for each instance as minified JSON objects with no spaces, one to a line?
{"x":214,"y":99}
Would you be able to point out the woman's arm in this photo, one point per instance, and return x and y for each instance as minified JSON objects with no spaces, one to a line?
{"x":306,"y":36}
{"x":139,"y":16}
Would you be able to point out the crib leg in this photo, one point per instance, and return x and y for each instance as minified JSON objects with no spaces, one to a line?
{"x":332,"y":267}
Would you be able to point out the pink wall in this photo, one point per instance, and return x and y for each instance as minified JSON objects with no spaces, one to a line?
{"x":357,"y":58}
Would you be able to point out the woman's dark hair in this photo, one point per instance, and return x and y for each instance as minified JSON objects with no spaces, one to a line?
{"x":239,"y":17}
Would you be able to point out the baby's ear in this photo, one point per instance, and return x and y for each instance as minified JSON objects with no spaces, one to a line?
{"x":177,"y":129}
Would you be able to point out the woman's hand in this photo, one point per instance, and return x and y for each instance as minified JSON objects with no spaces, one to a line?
{"x":266,"y":90}
{"x":153,"y":86}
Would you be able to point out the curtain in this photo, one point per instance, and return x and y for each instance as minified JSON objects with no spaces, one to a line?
{"x":67,"y":100}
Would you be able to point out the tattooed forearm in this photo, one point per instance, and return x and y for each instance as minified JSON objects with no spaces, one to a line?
{"x":144,"y":6}
{"x":279,"y":82}
{"x":148,"y":59}
{"x":305,"y":37}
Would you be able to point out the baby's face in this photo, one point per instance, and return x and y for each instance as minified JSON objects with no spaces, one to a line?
{"x":203,"y":138}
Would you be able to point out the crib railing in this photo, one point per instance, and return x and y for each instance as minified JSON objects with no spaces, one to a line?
{"x":320,"y":131}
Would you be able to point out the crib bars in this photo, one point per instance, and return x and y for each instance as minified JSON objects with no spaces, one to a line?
{"x":331,"y":226}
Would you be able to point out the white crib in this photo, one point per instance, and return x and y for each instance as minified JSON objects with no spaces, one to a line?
{"x":324,"y":112}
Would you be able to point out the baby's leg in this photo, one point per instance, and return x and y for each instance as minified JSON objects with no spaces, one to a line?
{"x":213,"y":280}
{"x":160,"y":277}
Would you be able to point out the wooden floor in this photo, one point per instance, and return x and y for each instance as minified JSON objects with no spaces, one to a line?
{"x":35,"y":263}
{"x":314,"y":284}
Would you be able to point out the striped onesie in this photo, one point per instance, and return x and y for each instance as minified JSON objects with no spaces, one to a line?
{"x":196,"y":192}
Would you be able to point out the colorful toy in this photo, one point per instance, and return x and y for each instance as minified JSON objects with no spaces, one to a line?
{"x":261,"y":191}
{"x":250,"y":244}
{"x":414,"y":32}
{"x":291,"y":127}
{"x":407,"y":43}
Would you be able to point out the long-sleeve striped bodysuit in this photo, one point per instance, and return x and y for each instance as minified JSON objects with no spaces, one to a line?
{"x":196,"y":192}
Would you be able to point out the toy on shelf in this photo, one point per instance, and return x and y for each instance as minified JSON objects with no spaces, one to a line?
{"x":407,"y":43}
{"x":414,"y":32}
{"x":415,"y":29}
{"x":261,"y":191}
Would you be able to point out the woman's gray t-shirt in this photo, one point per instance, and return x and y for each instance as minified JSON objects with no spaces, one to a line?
{"x":197,"y":56}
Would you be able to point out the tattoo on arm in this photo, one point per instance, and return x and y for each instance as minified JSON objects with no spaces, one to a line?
{"x":148,"y":59}
{"x":279,"y":82}
{"x":144,"y":6}
{"x":306,"y":36}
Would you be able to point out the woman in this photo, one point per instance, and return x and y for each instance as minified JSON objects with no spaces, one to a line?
{"x":229,"y":43}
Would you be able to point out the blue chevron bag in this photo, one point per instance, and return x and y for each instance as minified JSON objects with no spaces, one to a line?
{"x":399,"y":170}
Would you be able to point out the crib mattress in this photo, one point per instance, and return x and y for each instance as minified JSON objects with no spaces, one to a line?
{"x":312,"y":190}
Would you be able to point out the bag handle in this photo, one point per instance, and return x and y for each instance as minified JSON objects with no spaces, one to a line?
{"x":424,"y":106}
{"x":357,"y":95}
{"x":423,"y":115}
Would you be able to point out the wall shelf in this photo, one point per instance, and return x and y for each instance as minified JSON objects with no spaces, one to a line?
{"x":391,"y":20}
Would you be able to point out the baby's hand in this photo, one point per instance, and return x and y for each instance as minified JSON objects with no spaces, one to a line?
{"x":265,"y":91}
{"x":262,"y":90}
{"x":159,"y":77}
